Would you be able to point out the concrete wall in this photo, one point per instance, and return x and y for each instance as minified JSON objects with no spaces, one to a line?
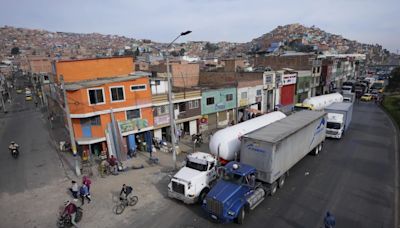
{"x":79,"y":70}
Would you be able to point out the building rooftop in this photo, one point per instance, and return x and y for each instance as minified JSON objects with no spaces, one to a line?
{"x":102,"y":81}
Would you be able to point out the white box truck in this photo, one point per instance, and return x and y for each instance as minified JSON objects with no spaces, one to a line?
{"x":274,"y":149}
{"x":339,"y":119}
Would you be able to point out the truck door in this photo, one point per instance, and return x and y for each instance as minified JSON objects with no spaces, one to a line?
{"x":212,"y":173}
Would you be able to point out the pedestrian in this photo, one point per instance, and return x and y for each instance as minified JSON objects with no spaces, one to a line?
{"x":329,"y":220}
{"x":74,"y":190}
{"x":84,"y":193}
{"x":86,"y":181}
{"x":36,"y":103}
{"x":113,"y":164}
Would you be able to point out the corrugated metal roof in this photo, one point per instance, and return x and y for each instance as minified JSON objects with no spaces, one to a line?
{"x":285,"y":127}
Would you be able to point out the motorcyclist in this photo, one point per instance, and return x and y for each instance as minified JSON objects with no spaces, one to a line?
{"x":125,"y":191}
{"x":13,"y":146}
{"x":70,"y":209}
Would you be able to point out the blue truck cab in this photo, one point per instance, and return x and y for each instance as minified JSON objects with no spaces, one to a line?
{"x":235,"y":193}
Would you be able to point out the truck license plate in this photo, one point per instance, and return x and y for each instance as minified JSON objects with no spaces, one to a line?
{"x":214,"y":217}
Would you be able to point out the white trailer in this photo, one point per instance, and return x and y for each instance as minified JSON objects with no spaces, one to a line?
{"x":319,"y":102}
{"x":225,"y":143}
{"x":274,"y":149}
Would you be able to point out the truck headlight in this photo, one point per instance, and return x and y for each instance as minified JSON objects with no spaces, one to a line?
{"x":231,"y":213}
{"x":191,"y":195}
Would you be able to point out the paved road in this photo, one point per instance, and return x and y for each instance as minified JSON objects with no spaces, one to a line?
{"x":353,"y":178}
{"x":38,"y":163}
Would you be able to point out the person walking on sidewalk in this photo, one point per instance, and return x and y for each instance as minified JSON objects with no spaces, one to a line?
{"x":86,"y":181}
{"x":74,"y":190}
{"x":71,"y":209}
{"x":84,"y":193}
{"x":329,"y":220}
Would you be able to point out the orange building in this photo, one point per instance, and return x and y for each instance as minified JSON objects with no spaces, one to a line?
{"x":101,"y":89}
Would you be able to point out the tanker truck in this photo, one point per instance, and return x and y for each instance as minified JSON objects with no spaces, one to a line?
{"x":318,"y":102}
{"x":225,"y":143}
{"x":266,"y":156}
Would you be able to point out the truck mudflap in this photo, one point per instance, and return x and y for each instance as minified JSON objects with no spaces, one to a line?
{"x":256,"y":198}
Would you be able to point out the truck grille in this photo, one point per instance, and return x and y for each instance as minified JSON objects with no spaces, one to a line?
{"x":177,"y":187}
{"x":214,"y":206}
{"x":331,"y":132}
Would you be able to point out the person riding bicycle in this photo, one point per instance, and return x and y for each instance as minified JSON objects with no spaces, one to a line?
{"x":70,"y":209}
{"x":125,"y":191}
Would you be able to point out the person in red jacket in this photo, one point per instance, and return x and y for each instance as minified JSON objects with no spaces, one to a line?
{"x":113,"y":164}
{"x":86,"y":181}
{"x":71,"y":209}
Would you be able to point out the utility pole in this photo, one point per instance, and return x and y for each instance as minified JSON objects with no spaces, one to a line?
{"x":171,"y":103}
{"x":70,"y":129}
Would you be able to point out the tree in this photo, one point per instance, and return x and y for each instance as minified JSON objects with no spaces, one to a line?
{"x":211,"y":47}
{"x":182,"y":52}
{"x":394,"y":80}
{"x":15,"y":51}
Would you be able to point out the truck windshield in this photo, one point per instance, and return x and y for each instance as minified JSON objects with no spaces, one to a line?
{"x":331,"y":125}
{"x":231,"y":177}
{"x":196,"y":166}
{"x":300,"y":108}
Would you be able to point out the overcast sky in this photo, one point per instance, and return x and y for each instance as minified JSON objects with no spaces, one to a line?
{"x":368,"y":21}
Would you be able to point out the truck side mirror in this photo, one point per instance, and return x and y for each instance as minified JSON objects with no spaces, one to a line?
{"x":252,"y":180}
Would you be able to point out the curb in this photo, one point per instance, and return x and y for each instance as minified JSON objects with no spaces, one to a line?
{"x":396,"y":179}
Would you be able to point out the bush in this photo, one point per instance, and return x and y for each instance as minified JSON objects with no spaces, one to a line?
{"x":392,"y":105}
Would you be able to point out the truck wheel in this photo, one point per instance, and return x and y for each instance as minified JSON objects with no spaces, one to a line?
{"x":203,"y":195}
{"x":320,"y":146}
{"x":274,"y":188}
{"x":316,"y":151}
{"x":240,"y":217}
{"x":281,"y":181}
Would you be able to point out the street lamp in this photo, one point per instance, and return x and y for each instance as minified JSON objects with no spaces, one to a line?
{"x":171,"y":104}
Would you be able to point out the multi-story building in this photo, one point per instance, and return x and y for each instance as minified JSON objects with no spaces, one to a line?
{"x":286,"y":90}
{"x":110,"y":107}
{"x":187,"y":108}
{"x":217,"y":107}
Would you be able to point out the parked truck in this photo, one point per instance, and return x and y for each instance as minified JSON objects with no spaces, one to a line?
{"x":225,"y":143}
{"x":266,"y":156}
{"x":339,"y":119}
{"x":318,"y":102}
{"x":349,"y":97}
{"x":193,"y":181}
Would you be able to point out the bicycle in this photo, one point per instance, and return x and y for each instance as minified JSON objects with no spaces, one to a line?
{"x":123,"y":203}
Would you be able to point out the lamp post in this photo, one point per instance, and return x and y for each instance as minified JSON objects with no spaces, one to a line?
{"x":171,"y":104}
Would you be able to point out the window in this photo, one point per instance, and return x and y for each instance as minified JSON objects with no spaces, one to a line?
{"x":243,"y":95}
{"x":229,"y":97}
{"x":96,"y":96}
{"x":162,"y":110}
{"x":193,"y":104}
{"x":210,"y":100}
{"x":182,"y":107}
{"x":138,"y":87}
{"x":133,"y":114}
{"x":158,"y":82}
{"x":258,"y":92}
{"x":95,"y":121}
{"x":117,"y":93}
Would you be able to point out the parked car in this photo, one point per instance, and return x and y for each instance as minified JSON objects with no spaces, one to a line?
{"x":19,"y":90}
{"x":28,"y":97}
{"x":366,"y":97}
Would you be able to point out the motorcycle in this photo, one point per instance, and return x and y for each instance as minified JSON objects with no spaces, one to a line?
{"x":14,"y":153}
{"x":65,"y":220}
{"x":197,"y":138}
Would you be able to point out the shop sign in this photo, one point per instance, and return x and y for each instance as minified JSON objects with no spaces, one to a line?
{"x":132,"y":125}
{"x":289,"y":79}
{"x":160,"y":120}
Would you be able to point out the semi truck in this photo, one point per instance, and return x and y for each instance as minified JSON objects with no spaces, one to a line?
{"x":193,"y":181}
{"x":338,"y":119}
{"x":318,"y":102}
{"x":349,"y":97}
{"x":266,"y":156}
{"x":225,"y":143}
